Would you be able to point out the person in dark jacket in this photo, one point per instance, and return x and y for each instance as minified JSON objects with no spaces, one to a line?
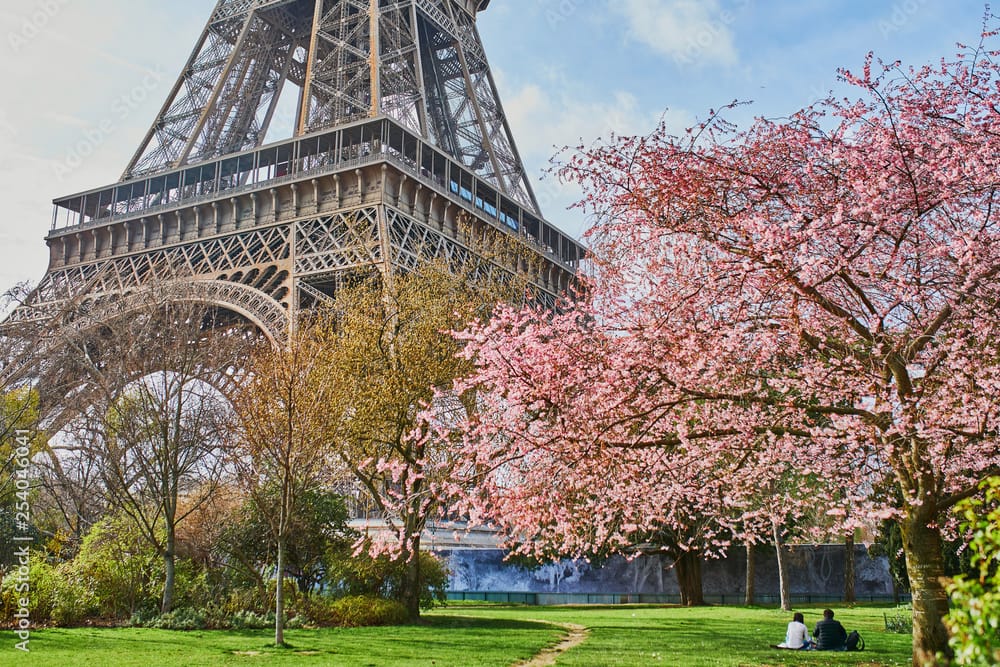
{"x":830,"y":635}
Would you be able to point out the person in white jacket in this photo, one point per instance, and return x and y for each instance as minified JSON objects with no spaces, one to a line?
{"x":797,"y":635}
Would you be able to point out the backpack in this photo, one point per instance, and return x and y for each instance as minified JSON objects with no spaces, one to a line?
{"x":854,"y":641}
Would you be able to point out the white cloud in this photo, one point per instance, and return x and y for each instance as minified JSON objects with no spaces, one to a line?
{"x":688,"y":31}
{"x":75,"y":109}
{"x":545,"y":120}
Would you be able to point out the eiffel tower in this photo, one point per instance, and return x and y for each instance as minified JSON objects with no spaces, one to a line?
{"x":400,"y":151}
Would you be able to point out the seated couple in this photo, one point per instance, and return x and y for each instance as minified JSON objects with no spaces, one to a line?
{"x":829,"y":634}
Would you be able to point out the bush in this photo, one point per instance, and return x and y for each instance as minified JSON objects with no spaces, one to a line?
{"x":179,"y":619}
{"x":119,"y":568}
{"x":56,"y":595}
{"x":73,"y":603}
{"x":974,"y":619}
{"x":118,"y":575}
{"x":355,"y":611}
{"x":251,"y":620}
{"x":382,"y":577}
{"x":43,"y":580}
{"x":900,"y":621}
{"x":242,"y":600}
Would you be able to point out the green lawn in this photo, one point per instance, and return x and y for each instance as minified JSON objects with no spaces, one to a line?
{"x":704,"y":636}
{"x":468,"y":636}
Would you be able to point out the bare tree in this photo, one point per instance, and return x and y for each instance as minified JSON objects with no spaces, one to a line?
{"x":148,"y":394}
{"x":282,"y":426}
{"x":72,"y":493}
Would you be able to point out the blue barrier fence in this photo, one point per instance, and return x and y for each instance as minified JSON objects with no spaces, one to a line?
{"x":545,"y":599}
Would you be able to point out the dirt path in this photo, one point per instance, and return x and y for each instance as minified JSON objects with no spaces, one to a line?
{"x":577,"y":635}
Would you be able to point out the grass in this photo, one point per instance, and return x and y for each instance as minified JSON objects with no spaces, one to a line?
{"x":442,"y":640}
{"x":489,"y":635}
{"x":716,"y":636}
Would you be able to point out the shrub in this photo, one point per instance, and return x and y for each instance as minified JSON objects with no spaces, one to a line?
{"x":119,"y":568}
{"x":72,"y":602}
{"x":210,"y":618}
{"x":354,"y":611}
{"x":44,"y":582}
{"x":247,"y":599}
{"x":251,"y":620}
{"x":383,"y":577}
{"x":56,"y":595}
{"x":899,"y":621}
{"x":179,"y":619}
{"x":974,"y":619}
{"x":191,"y":585}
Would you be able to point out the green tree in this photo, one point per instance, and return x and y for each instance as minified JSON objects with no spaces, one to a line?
{"x":393,"y":366}
{"x":974,"y":618}
{"x":317,"y":531}
{"x":18,"y":414}
{"x":281,"y":432}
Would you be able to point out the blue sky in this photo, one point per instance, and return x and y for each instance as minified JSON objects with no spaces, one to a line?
{"x":83,"y":79}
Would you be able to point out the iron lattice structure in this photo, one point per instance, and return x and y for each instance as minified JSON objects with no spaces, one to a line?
{"x":419,"y":62}
{"x":400,"y":152}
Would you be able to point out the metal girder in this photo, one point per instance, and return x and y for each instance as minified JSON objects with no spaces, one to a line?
{"x":401,"y":91}
{"x":420,"y":62}
{"x":224,"y":100}
{"x":337,"y":242}
{"x":339,"y":70}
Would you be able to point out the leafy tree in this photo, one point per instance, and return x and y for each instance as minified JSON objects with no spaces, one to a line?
{"x":284,"y":418}
{"x":393,"y":367}
{"x":974,"y":619}
{"x":318,"y":531}
{"x":18,"y":413}
{"x":825,"y":283}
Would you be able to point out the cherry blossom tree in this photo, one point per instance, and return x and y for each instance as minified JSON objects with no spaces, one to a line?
{"x":390,"y":362}
{"x":819,"y":291}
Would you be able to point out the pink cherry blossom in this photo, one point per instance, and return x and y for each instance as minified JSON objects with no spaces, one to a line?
{"x":813,"y":301}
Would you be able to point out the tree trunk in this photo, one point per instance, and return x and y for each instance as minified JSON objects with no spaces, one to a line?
{"x":279,"y":596}
{"x":783,"y":590}
{"x":411,"y":582}
{"x":922,"y":545}
{"x":688,"y":567}
{"x":849,"y":574}
{"x":749,"y":599}
{"x":169,"y":568}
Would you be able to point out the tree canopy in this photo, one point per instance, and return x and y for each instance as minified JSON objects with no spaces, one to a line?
{"x":817,"y":292}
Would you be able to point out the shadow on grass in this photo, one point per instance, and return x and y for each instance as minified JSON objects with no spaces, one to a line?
{"x":476,"y":623}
